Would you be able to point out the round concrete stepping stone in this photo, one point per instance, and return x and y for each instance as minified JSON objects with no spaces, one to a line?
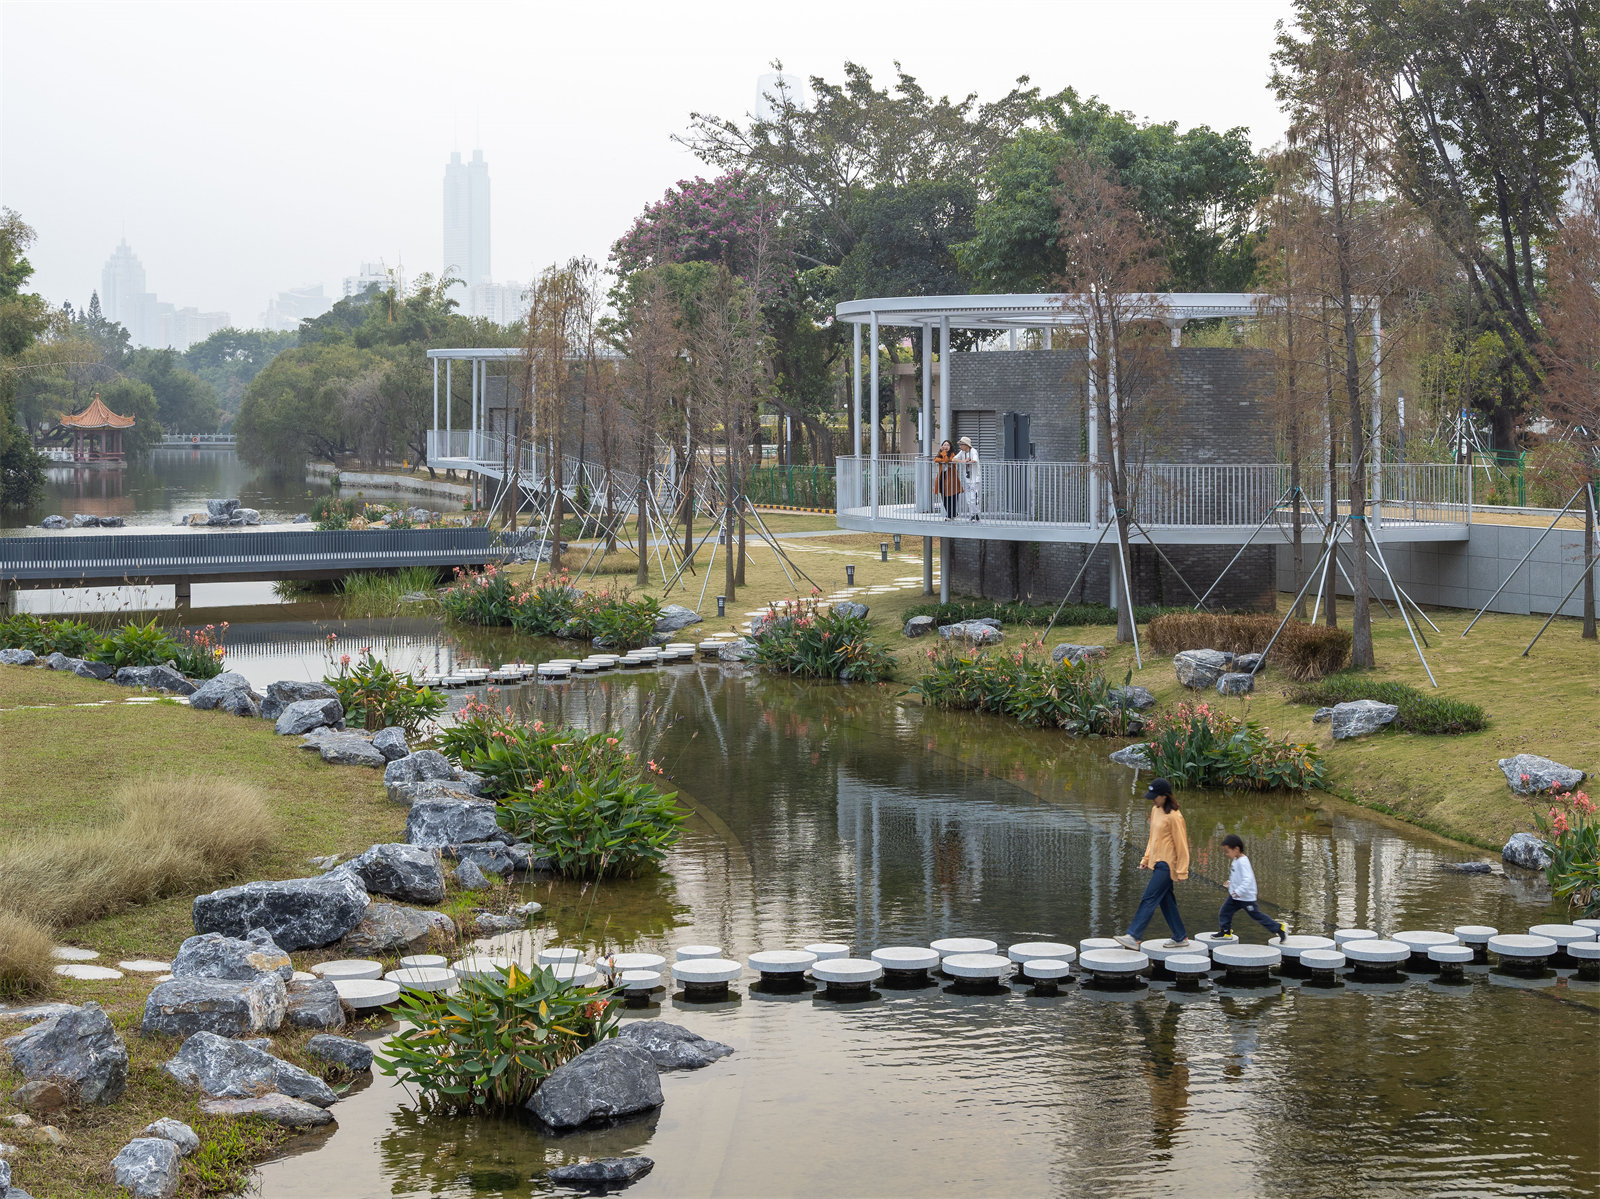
{"x":709,"y":647}
{"x":706,"y":970}
{"x":906,"y":958}
{"x":1293,"y":947}
{"x":1027,"y":951}
{"x":1589,"y":924}
{"x":1562,"y":934}
{"x":145,"y":966}
{"x":1209,"y":941}
{"x":366,"y":992}
{"x":579,"y":974}
{"x":479,"y":964}
{"x":1422,"y":940}
{"x":954,"y":945}
{"x":781,"y":963}
{"x":71,"y":953}
{"x":1344,"y":936}
{"x":84,"y":972}
{"x":1587,"y":955}
{"x":639,"y":981}
{"x":424,"y":978}
{"x":304,"y":976}
{"x":977,"y":966}
{"x":1522,"y":949}
{"x":1156,"y":949}
{"x":1188,"y":965}
{"x":1090,"y":944}
{"x":827,"y":951}
{"x":847,"y":978}
{"x":425,"y":961}
{"x":348,"y":968}
{"x":1113,"y":963}
{"x":1321,"y":964}
{"x":553,"y":673}
{"x":1046,"y":969}
{"x":1451,"y":960}
{"x":1376,"y":958}
{"x":1475,"y":934}
{"x":556,"y":955}
{"x":1246,"y":963}
{"x":587,"y":667}
{"x":620,"y":963}
{"x":691,"y":953}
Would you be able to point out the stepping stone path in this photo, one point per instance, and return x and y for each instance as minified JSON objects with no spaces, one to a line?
{"x":363,"y":993}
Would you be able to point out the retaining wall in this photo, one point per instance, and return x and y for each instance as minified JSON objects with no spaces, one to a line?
{"x":459,"y":493}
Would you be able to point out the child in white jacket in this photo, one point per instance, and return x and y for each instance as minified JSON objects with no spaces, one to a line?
{"x":1242,"y":893}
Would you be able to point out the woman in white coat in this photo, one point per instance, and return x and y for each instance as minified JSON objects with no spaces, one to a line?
{"x":971,"y":475}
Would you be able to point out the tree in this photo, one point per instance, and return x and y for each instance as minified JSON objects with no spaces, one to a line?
{"x":650,"y":334}
{"x":186,"y":404}
{"x":1112,"y":263}
{"x":23,"y":316}
{"x":231,"y":358}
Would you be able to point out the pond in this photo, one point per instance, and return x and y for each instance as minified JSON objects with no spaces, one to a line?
{"x":852,"y":814}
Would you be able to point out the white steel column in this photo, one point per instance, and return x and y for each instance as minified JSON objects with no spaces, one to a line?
{"x":944,"y":432}
{"x":1094,"y":434}
{"x":927,"y":451}
{"x":872,"y":436}
{"x":435,"y":395}
{"x":1375,"y":521}
{"x":855,"y":406}
{"x":449,"y":392}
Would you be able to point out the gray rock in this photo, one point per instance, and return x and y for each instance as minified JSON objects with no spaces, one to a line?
{"x":301,"y":518}
{"x":918,"y":626}
{"x":228,"y":1007}
{"x":213,"y":955}
{"x":176,"y":1131}
{"x":58,"y":661}
{"x":764,"y":622}
{"x":450,"y":821}
{"x":673,"y":1047}
{"x":84,"y":520}
{"x":1322,"y":716}
{"x":1077,"y":653}
{"x":158,"y":678}
{"x":90,"y":670}
{"x":488,"y":924}
{"x":274,"y":1108}
{"x":674,"y":617}
{"x":248,"y":516}
{"x":1248,"y":663}
{"x":147,"y":1167}
{"x":612,"y":1079}
{"x":226,"y":1069}
{"x":973,"y":632}
{"x":405,"y":872}
{"x":314,"y":1004}
{"x":221,"y":507}
{"x":18,"y":657}
{"x":418,"y":767}
{"x":230,"y":692}
{"x":1359,"y":717}
{"x":603,"y":1174}
{"x":41,"y":1097}
{"x":742,"y":650}
{"x":352,"y":1057}
{"x":306,"y":714}
{"x":112,"y":522}
{"x":287,"y":691}
{"x":389,"y":928}
{"x":34,"y":1012}
{"x":1524,"y":849}
{"x":298,"y":913}
{"x":1468,"y":867}
{"x":53,"y":522}
{"x":1132,"y":755}
{"x":1137,"y":698}
{"x":1199,"y":669}
{"x":466,"y":780}
{"x":410,"y":793}
{"x":469,"y":877}
{"x":850,"y":608}
{"x":77,"y":1050}
{"x":391,"y":743}
{"x":1235,"y":683}
{"x":1541,"y":774}
{"x":350,"y":750}
{"x":491,"y":857}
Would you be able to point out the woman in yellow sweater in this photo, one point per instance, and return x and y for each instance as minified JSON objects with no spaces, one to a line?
{"x":1166,"y":856}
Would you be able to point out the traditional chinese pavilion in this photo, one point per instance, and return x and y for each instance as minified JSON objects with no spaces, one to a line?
{"x":101,"y":426}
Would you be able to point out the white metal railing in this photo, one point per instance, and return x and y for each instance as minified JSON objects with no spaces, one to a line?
{"x":1167,"y":495}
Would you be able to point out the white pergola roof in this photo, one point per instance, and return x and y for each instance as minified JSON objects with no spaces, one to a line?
{"x":477,"y":353}
{"x":1040,"y":311}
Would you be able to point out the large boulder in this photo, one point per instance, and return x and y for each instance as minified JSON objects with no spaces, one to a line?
{"x":1235,"y":682}
{"x":157,"y":678}
{"x":18,"y":657}
{"x":288,"y":691}
{"x":450,"y":821}
{"x":176,"y":1131}
{"x":247,"y":516}
{"x":673,"y":1047}
{"x":85,"y":520}
{"x":1077,"y":654}
{"x":83,"y":668}
{"x":54,"y":522}
{"x":306,"y":714}
{"x":850,"y":608}
{"x":1527,"y":851}
{"x":973,"y":632}
{"x":602,"y":1175}
{"x":147,"y":1168}
{"x":314,"y":1003}
{"x":273,"y":1108}
{"x":388,"y":928}
{"x":422,"y":766}
{"x":493,"y":857}
{"x":674,"y":617}
{"x":405,"y":872}
{"x":1361,"y":716}
{"x":411,"y":793}
{"x":470,"y":877}
{"x":79,"y":1051}
{"x":1137,"y":698}
{"x":213,"y":955}
{"x":1135,"y":756}
{"x":1199,"y":669}
{"x":742,"y":650}
{"x":351,"y":750}
{"x":1529,"y":774}
{"x":918,"y":626}
{"x":221,"y":507}
{"x":353,"y":1057}
{"x":228,"y":1007}
{"x":614,"y":1078}
{"x":229,"y":691}
{"x":391,"y":743}
{"x":228,"y":1069}
{"x":298,"y":913}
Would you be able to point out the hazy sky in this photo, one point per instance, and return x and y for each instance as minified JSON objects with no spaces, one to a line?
{"x":246,"y":148}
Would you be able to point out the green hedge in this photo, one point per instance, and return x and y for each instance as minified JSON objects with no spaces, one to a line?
{"x":1419,"y":711}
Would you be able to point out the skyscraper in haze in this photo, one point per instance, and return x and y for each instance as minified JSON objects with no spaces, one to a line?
{"x":466,"y":222}
{"x":122,"y":287}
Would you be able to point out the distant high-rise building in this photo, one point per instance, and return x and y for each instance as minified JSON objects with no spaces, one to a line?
{"x":122,"y":289}
{"x":466,"y":222}
{"x":502,"y":303}
{"x":289,"y":308}
{"x":371,"y":273}
{"x":149,"y":320}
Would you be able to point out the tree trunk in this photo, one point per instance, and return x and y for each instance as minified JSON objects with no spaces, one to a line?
{"x":1361,"y":603}
{"x":1588,"y":561}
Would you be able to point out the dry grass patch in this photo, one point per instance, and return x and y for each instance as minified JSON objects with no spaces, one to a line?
{"x":25,"y":962}
{"x":173,"y":835}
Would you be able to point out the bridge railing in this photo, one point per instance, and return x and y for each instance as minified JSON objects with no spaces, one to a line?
{"x":181,"y":439}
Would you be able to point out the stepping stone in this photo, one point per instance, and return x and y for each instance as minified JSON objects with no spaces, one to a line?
{"x":827,"y":951}
{"x":1562,"y":934}
{"x":1589,"y":924}
{"x":1375,"y":958}
{"x":784,"y":968}
{"x":71,"y":953}
{"x":1450,"y":960}
{"x":1419,"y":941}
{"x":1246,"y":965}
{"x":1321,"y":964}
{"x":905,"y":967}
{"x":1027,"y":951}
{"x":302,"y":976}
{"x":479,"y":965}
{"x":1188,"y":967}
{"x":424,"y":978}
{"x":558,"y":956}
{"x":1293,"y":947}
{"x":1113,"y":967}
{"x":691,"y":953}
{"x":954,"y":945}
{"x":425,"y":961}
{"x":1209,"y":941}
{"x":1343,"y":936}
{"x":552,"y":673}
{"x":145,"y":966}
{"x":86,"y":973}
{"x":366,"y":992}
{"x":637,"y":984}
{"x":1523,"y":954}
{"x":847,"y":978}
{"x":1090,"y":944}
{"x":576,"y":973}
{"x":1156,"y":949}
{"x":1477,"y":936}
{"x":1047,"y":974}
{"x":587,"y":667}
{"x":705,"y":980}
{"x":1587,"y":955}
{"x":977,"y":967}
{"x":620,"y":963}
{"x":348,"y":968}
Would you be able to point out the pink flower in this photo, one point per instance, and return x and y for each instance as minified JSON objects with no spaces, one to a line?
{"x":344,"y":659}
{"x":1558,"y":822}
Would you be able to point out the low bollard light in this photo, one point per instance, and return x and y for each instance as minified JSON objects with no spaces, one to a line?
{"x":897,"y":543}
{"x":850,"y":576}
{"x":883,"y":551}
{"x":722,"y":605}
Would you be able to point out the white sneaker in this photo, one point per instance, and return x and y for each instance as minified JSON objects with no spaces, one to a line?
{"x":1183,"y":944}
{"x":1126,"y":942}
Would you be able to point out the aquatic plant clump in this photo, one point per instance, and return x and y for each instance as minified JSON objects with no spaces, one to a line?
{"x":44,"y":637}
{"x":1198,"y":746}
{"x":375,"y":697}
{"x":1025,"y":685}
{"x":554,"y":608}
{"x":490,"y":1045}
{"x":799,"y":638}
{"x":1570,"y":830}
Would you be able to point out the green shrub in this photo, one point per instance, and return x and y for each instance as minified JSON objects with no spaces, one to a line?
{"x":1025,"y":614}
{"x":1419,"y":712}
{"x":137,"y":645}
{"x":543,"y":611}
{"x":1200,"y":747}
{"x":481,"y":597}
{"x":44,"y":637}
{"x":616,"y":621}
{"x":801,"y":640}
{"x":1024,"y":685}
{"x":200,"y":651}
{"x":489,"y":1046}
{"x":375,"y":697}
{"x":1302,"y":651}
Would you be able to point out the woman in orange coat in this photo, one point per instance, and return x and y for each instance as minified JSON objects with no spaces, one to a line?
{"x":947,"y":478}
{"x":1166,"y":856}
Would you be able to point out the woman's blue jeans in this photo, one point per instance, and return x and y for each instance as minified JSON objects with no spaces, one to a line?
{"x":1158,"y":894}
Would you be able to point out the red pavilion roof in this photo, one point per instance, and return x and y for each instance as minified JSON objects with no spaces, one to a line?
{"x":97,"y":416}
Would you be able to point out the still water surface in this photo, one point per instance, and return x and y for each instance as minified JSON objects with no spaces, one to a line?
{"x":852,"y":814}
